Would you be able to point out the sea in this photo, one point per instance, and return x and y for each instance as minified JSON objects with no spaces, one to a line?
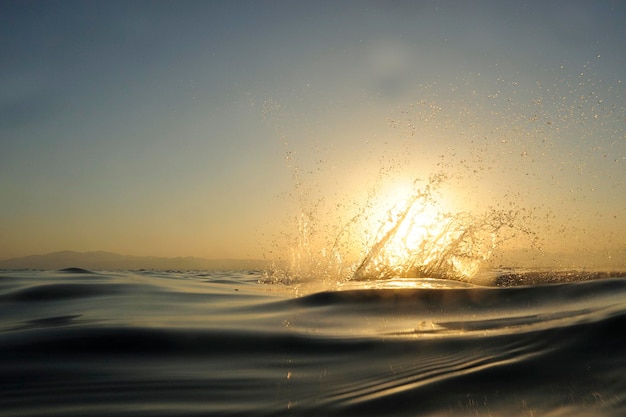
{"x":76,"y":342}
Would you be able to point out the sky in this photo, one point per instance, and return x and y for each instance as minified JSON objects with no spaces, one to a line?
{"x":195,"y":128}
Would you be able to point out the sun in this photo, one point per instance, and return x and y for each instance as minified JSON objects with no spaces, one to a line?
{"x":417,"y":235}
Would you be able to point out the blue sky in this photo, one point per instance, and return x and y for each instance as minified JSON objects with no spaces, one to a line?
{"x":162,"y":128}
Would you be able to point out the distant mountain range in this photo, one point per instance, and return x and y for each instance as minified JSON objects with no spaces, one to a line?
{"x":107,"y":261}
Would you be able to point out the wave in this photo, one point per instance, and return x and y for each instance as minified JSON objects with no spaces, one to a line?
{"x":74,"y":270}
{"x":517,"y":278}
{"x":199,"y":344}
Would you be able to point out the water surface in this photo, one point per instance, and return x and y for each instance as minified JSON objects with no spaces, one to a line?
{"x":157,"y":343}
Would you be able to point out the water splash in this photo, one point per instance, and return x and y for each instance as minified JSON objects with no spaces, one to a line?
{"x":538,"y":164}
{"x":413,"y":237}
{"x":419,"y":239}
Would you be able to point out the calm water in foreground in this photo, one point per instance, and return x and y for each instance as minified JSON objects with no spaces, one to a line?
{"x":80,"y":343}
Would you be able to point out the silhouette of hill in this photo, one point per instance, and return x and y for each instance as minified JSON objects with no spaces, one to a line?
{"x":107,"y":260}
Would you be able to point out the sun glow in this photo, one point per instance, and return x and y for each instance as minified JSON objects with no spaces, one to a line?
{"x":419,"y":237}
{"x":402,"y":231}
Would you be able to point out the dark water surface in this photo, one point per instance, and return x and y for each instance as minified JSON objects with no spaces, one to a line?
{"x":80,"y":343}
